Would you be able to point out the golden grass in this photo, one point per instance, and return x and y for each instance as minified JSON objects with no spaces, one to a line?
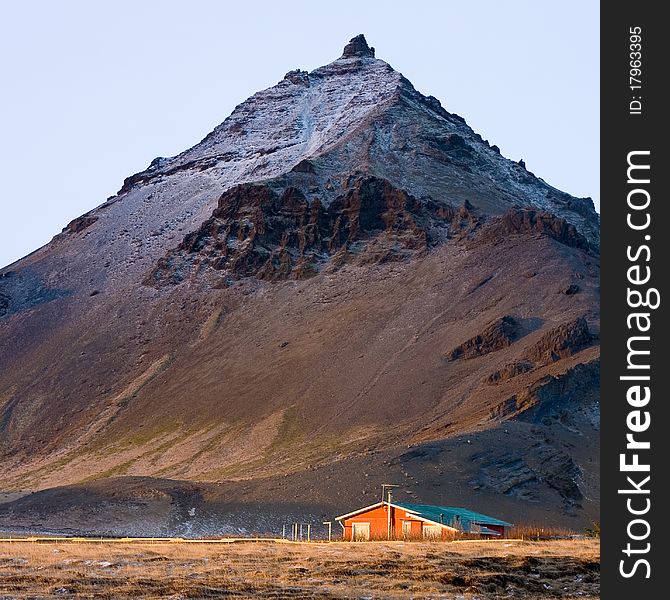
{"x":542,"y":532}
{"x":384,"y":570}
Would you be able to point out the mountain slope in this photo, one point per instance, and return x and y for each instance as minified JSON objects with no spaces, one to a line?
{"x":340,"y":270}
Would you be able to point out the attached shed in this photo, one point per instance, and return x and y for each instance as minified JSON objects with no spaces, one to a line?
{"x":401,"y":520}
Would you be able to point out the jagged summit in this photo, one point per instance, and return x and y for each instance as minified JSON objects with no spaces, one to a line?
{"x":358,"y":47}
{"x":354,"y":116}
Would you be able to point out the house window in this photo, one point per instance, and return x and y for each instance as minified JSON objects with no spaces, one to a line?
{"x":360,"y":532}
{"x":432,"y":532}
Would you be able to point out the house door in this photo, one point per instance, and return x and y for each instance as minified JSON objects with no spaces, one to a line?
{"x":360,"y":532}
{"x":407,"y":529}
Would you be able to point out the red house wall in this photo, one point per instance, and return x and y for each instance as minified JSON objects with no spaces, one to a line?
{"x":378,"y":519}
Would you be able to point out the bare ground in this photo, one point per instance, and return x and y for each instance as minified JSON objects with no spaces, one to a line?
{"x":385,"y":570}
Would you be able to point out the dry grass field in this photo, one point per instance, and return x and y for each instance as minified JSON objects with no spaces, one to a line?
{"x":380,"y":570}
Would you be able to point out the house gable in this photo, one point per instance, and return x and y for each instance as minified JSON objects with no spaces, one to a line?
{"x":389,"y":521}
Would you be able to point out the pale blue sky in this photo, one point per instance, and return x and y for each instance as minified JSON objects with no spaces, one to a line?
{"x":93,"y":91}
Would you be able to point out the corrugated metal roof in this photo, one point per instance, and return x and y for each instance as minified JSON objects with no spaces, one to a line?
{"x":460,"y":518}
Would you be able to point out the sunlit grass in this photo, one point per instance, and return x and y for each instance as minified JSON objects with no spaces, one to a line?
{"x":390,"y":570}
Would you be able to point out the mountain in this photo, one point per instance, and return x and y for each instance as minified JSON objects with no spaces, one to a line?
{"x":341,"y":285}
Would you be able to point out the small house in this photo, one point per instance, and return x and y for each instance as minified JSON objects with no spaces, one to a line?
{"x":401,"y":520}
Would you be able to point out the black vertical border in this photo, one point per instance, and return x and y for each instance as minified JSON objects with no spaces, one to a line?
{"x":622,"y":133}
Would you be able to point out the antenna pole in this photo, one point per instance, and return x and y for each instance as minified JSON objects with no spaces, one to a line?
{"x":386,"y":491}
{"x":387,"y":485}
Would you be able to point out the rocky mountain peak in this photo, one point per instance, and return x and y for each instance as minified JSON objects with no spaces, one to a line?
{"x":353,"y":115}
{"x":358,"y":47}
{"x":339,"y":259}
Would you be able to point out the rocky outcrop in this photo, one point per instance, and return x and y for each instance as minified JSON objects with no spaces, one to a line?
{"x":571,"y":398}
{"x":304,"y":166}
{"x":298,"y":77}
{"x":510,"y":371}
{"x":529,"y":220}
{"x":497,"y":335}
{"x":508,"y":475}
{"x":521,"y":475}
{"x":559,"y":342}
{"x":557,"y":469}
{"x":80,"y":223}
{"x":161,"y":166}
{"x":287,"y":233}
{"x":358,"y":47}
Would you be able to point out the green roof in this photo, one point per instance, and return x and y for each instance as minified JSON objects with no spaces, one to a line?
{"x":460,"y":518}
